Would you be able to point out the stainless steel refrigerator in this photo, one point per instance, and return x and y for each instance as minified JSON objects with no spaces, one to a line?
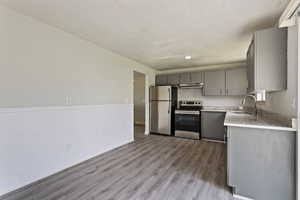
{"x":163,"y":100}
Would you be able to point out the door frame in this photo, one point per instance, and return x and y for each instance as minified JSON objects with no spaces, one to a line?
{"x":146,"y":104}
{"x":298,"y":114}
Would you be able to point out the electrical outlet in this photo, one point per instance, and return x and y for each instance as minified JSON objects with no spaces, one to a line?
{"x":68,"y":100}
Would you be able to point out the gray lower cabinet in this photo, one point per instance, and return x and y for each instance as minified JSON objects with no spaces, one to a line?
{"x":261,"y":163}
{"x":212,"y":125}
{"x":214,"y":83}
{"x":236,"y":81}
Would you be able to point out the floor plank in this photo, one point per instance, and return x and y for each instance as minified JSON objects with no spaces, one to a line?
{"x":151,"y":168}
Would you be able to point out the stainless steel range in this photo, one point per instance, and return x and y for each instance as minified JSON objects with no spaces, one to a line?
{"x":188,"y":120}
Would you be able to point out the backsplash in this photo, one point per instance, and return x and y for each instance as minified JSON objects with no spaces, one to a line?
{"x":197,"y":94}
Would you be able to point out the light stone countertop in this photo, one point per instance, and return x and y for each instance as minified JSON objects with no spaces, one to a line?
{"x":218,"y":109}
{"x":250,"y":121}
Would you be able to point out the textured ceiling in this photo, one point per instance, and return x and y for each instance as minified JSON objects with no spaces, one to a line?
{"x":160,"y":33}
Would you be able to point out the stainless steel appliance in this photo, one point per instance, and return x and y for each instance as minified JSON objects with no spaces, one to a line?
{"x":163,"y":101}
{"x":190,"y":105}
{"x":188,"y":120}
{"x":192,"y":85}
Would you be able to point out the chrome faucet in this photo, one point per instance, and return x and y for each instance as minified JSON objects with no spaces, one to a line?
{"x":254,"y":98}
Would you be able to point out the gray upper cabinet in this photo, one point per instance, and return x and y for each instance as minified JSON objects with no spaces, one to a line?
{"x":185,"y":78}
{"x":161,"y":80}
{"x":267,"y":60}
{"x":236,"y":81}
{"x":197,"y":77}
{"x":173,"y":79}
{"x":250,"y":68}
{"x":214,"y":83}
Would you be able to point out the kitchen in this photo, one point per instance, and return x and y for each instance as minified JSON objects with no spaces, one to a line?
{"x":227,"y":105}
{"x":149,"y":100}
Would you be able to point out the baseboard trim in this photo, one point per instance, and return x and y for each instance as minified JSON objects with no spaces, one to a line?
{"x":139,"y":123}
{"x":210,"y":140}
{"x":147,"y":133}
{"x":236,"y":196}
{"x":47,"y":125}
{"x":39,"y":181}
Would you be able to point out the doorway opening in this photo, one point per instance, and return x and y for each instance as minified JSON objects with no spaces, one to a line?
{"x":139,"y":105}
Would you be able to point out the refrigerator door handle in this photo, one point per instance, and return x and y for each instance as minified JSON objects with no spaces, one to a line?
{"x":169,"y":100}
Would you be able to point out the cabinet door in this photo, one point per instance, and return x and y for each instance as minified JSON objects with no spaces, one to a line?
{"x":161,"y":80}
{"x":173,"y":79}
{"x":260,"y":161}
{"x":251,"y":68}
{"x":267,"y":60}
{"x":214,"y":83}
{"x":197,"y":77}
{"x":236,"y":81}
{"x":212,"y":125}
{"x":185,"y":78}
{"x":270,"y":59}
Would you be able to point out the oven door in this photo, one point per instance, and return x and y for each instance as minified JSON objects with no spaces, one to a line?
{"x":187,"y":124}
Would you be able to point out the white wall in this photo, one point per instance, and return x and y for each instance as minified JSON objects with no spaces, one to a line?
{"x":285,"y":102}
{"x":46,"y":76}
{"x":37,"y":142}
{"x":196,"y":94}
{"x":139,"y":98}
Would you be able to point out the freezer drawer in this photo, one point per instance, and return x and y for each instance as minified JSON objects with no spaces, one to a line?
{"x":160,"y":115}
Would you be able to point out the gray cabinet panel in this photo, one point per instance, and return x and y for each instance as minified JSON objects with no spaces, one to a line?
{"x":250,"y":68}
{"x":173,"y":79}
{"x":197,"y":77}
{"x":185,"y":78}
{"x":214,"y":83}
{"x":236,"y":81}
{"x":212,"y":125}
{"x":261,"y":163}
{"x":161,"y":80}
{"x":267,"y":60}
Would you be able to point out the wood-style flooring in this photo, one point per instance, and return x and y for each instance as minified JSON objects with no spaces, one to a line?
{"x":139,"y":132}
{"x":153,"y":167}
